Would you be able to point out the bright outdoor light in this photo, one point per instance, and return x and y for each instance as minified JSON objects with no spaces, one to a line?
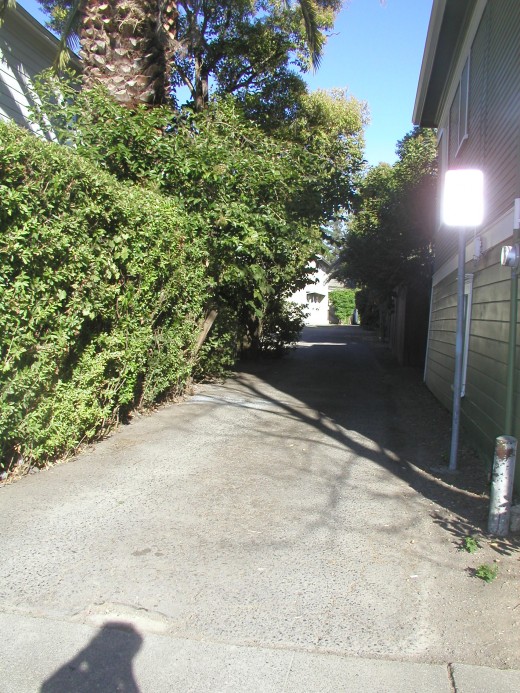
{"x":463,"y":198}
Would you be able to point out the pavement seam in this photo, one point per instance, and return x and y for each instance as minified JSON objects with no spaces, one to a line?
{"x":288,"y":672}
{"x":451,"y":677}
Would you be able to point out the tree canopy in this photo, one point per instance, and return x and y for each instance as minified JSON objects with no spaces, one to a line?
{"x":390,"y":231}
{"x":231,"y":44}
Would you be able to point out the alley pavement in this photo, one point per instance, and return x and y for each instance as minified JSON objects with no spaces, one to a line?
{"x":283,"y":531}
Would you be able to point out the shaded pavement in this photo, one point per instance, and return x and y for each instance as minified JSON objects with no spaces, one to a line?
{"x":281,"y":531}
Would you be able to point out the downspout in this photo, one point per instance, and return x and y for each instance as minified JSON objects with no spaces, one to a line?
{"x":511,"y":358}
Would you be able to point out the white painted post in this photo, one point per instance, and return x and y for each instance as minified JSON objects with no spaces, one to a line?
{"x":502,"y":485}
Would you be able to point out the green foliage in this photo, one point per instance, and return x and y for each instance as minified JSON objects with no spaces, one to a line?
{"x":344,"y":304}
{"x":240,"y":44}
{"x":470,"y":544}
{"x":257,"y":195}
{"x":281,"y":327}
{"x":329,"y":125}
{"x":118,"y":245}
{"x":93,"y":292}
{"x":487,"y":572}
{"x":229,"y":44}
{"x":389,"y":241}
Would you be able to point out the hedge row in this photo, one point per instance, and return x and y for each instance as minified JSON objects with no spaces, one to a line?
{"x":102,"y":294}
{"x":344,"y":304}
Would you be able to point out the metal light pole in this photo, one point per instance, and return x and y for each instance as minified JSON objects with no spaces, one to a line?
{"x":462,"y":207}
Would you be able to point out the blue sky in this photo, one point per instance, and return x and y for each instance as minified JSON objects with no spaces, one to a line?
{"x":376,"y":52}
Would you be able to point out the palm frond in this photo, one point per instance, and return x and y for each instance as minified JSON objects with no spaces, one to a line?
{"x":315,"y":39}
{"x":6,"y":5}
{"x":69,"y":37}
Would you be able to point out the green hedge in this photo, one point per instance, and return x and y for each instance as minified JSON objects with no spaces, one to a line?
{"x":344,"y":304}
{"x":102,"y":292}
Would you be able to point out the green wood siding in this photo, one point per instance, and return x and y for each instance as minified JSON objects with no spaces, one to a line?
{"x":493,"y":142}
{"x":483,"y":411}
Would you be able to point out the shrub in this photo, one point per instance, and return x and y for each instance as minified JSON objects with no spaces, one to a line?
{"x":102,"y":293}
{"x":281,"y":326}
{"x":344,"y":303}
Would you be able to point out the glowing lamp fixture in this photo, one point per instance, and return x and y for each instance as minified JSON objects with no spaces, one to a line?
{"x":463,"y":198}
{"x":462,"y":206}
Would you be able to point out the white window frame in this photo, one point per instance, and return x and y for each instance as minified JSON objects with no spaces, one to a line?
{"x":442,"y":159}
{"x":463,"y":105}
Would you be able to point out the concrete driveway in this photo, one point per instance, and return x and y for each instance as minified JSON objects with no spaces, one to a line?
{"x":281,"y":531}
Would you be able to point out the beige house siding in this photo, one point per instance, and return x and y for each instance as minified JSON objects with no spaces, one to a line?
{"x":26,"y":49}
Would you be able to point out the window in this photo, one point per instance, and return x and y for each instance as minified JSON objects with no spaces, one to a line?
{"x":459,"y":111}
{"x":442,"y":163}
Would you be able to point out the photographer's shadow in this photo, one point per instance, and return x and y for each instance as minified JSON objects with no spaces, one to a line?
{"x":104,"y":666}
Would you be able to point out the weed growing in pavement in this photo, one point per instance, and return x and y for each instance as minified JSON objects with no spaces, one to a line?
{"x":486,"y":572}
{"x":470,"y":544}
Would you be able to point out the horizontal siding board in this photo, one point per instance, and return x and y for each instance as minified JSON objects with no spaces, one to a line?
{"x":25,"y":50}
{"x":488,"y":348}
{"x":491,"y":275}
{"x":499,"y":330}
{"x":493,"y":145}
{"x":481,"y":386}
{"x":484,"y":412}
{"x":497,"y":292}
{"x":443,"y":349}
{"x":445,"y":326}
{"x":479,"y":429}
{"x":437,"y":385}
{"x":494,"y":311}
{"x":484,"y":366}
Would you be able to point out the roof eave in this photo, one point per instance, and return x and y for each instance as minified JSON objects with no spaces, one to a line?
{"x":447,"y":23}
{"x":28,"y":20}
{"x":432,"y":39}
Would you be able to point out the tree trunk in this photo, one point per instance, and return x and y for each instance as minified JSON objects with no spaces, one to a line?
{"x":201,"y":85}
{"x":123,"y":47}
{"x":209,"y":319}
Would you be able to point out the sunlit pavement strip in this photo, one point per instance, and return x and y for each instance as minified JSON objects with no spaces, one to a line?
{"x":255,"y":403}
{"x":150,"y":663}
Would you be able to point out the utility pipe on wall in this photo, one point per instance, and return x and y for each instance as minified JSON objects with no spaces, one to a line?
{"x":513,"y":320}
{"x":459,"y":355}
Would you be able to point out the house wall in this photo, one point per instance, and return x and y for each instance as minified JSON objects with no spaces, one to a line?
{"x":315,"y":298}
{"x":483,"y":412}
{"x":493,"y":145}
{"x":26,"y":48}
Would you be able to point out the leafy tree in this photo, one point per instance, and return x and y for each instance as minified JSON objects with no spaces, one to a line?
{"x":389,"y":241}
{"x":132,"y":46}
{"x":242,"y":43}
{"x":257,"y":194}
{"x":329,"y":124}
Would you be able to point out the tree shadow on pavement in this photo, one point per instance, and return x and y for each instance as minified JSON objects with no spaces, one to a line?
{"x":104,"y":665}
{"x":350,"y":383}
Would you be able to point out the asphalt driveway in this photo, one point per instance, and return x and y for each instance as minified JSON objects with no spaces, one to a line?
{"x":281,"y":531}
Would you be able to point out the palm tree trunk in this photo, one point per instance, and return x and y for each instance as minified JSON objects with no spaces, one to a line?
{"x":123,"y":48}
